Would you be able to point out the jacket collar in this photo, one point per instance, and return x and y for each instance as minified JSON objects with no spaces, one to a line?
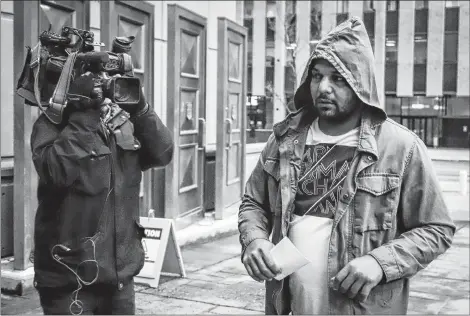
{"x":302,"y":118}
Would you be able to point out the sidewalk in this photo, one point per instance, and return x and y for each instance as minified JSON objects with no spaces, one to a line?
{"x":217,"y":283}
{"x":449,"y":154}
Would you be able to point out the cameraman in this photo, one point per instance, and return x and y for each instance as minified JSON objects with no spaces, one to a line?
{"x":87,"y":232}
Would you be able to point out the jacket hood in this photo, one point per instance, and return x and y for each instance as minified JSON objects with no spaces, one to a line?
{"x":348,"y":49}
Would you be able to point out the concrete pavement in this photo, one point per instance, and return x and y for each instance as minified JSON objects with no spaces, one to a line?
{"x":217,"y":283}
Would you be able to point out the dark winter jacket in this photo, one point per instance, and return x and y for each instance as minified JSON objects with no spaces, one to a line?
{"x":391,"y":205}
{"x":88,"y":195}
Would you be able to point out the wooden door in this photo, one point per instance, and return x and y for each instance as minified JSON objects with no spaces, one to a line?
{"x":30,"y":19}
{"x":134,"y":18}
{"x":186,"y":114}
{"x":231,"y":115}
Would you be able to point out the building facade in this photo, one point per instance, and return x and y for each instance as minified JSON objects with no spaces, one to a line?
{"x":421,"y":53}
{"x":190,"y":58}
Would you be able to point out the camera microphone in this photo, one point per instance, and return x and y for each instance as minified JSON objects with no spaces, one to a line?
{"x":94,"y":57}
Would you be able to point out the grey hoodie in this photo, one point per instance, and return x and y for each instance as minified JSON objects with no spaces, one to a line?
{"x":347,"y":48}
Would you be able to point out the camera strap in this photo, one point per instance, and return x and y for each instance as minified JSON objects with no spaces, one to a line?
{"x":58,"y":101}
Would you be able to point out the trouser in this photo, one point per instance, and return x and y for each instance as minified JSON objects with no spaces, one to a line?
{"x":94,"y":299}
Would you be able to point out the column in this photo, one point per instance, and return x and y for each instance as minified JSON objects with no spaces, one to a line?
{"x":379,"y":48}
{"x":405,"y":63}
{"x":303,"y":37}
{"x":463,"y":68}
{"x":280,"y":62}
{"x":25,"y":177}
{"x":259,"y":47}
{"x":328,"y":20}
{"x":240,"y":8}
{"x":356,"y":8}
{"x":95,"y":21}
{"x":435,"y":48}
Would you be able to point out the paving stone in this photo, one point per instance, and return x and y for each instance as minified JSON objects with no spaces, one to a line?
{"x":256,"y":304}
{"x":37,"y":311}
{"x":456,"y":307}
{"x":195,"y":259}
{"x":166,"y":288}
{"x":425,"y":306}
{"x":232,"y":295}
{"x":445,"y":287}
{"x":235,"y":269}
{"x":232,"y":310}
{"x":149,"y":304}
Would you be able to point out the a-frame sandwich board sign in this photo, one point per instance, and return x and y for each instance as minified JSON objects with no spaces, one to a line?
{"x":162,"y":252}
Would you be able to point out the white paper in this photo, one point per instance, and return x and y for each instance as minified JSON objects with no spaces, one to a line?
{"x":288,"y":258}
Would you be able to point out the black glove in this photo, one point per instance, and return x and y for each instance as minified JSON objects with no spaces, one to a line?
{"x":140,"y":108}
{"x":85,"y":93}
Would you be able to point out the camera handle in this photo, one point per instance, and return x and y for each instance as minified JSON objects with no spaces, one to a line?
{"x":59,"y":98}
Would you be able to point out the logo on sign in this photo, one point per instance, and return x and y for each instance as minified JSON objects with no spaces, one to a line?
{"x":153,"y":233}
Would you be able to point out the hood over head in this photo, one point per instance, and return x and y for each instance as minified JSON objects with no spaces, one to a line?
{"x":348,"y":49}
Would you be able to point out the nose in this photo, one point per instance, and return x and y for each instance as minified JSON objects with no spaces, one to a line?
{"x":325,"y":86}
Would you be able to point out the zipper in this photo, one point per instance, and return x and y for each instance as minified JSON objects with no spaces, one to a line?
{"x":112,"y":146}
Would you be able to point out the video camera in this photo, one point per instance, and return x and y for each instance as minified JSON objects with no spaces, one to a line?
{"x":55,"y":61}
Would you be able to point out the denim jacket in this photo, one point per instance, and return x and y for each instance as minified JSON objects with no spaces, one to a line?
{"x":391,"y":206}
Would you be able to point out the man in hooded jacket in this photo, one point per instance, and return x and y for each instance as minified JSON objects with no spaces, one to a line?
{"x":354,"y":191}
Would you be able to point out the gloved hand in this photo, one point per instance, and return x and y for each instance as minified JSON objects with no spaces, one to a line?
{"x":138,"y":109}
{"x":85,"y":93}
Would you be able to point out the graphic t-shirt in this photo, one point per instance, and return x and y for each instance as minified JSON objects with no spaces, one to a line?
{"x":325,"y":163}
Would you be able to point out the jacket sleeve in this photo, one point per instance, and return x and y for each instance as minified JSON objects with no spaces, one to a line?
{"x":155,"y":139}
{"x":255,"y":216}
{"x":57,"y":151}
{"x":422,"y":216}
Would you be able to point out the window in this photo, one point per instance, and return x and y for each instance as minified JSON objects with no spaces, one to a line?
{"x":392,"y":5}
{"x":450,"y":62}
{"x":291,"y":7}
{"x":368,"y":5}
{"x":421,"y":5}
{"x":248,"y":23}
{"x":451,"y":47}
{"x":342,"y":6}
{"x":391,"y":48}
{"x":315,"y":19}
{"x":393,"y":105}
{"x":248,"y":9}
{"x":420,"y":49}
{"x":269,"y":65}
{"x":452,"y":4}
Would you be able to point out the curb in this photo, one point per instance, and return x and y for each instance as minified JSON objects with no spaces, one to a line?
{"x":19,"y":282}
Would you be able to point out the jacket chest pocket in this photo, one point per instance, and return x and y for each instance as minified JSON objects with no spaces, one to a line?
{"x":375,"y":203}
{"x":376,"y":199}
{"x":128,"y":151}
{"x":95,"y":171}
{"x":271,"y":167}
{"x":129,"y":164}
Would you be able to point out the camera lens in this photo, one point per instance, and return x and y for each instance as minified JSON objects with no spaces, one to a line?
{"x":121,"y":91}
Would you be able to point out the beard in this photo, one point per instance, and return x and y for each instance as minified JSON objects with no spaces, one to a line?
{"x":331,"y":112}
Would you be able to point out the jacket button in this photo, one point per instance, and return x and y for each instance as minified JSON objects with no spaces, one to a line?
{"x":296,"y":142}
{"x":120,"y":286}
{"x":346,"y":196}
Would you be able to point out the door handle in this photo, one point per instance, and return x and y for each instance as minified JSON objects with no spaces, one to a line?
{"x":202,"y":133}
{"x":228,"y":130}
